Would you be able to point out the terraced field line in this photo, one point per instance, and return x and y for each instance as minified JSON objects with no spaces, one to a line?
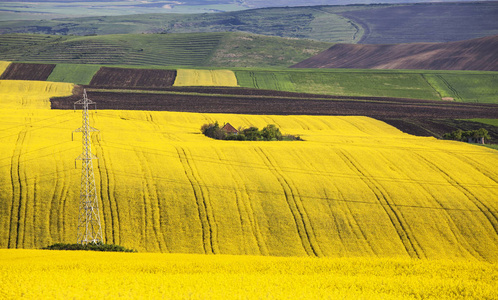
{"x":411,"y":245}
{"x":204,"y":217}
{"x":244,"y":205}
{"x":488,"y":213}
{"x":303,"y":224}
{"x":153,"y":211}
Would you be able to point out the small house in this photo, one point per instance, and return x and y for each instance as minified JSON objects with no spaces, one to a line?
{"x":475,"y":140}
{"x":228,"y":128}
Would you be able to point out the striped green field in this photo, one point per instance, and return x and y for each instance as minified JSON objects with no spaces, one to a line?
{"x":462,"y":86}
{"x":192,"y":49}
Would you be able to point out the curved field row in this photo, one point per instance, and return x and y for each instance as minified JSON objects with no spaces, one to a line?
{"x":186,"y":77}
{"x":354,"y":187}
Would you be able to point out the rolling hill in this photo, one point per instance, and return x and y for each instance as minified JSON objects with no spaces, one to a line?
{"x":354,"y":187}
{"x":231,"y":49}
{"x":376,"y":24}
{"x":475,"y":54}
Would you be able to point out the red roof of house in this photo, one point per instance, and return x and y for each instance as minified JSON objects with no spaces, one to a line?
{"x":229,"y":128}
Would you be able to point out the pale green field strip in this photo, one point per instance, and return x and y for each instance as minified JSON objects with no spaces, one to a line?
{"x":493,"y":122}
{"x":43,"y":274}
{"x":78,"y":74}
{"x":354,"y":187}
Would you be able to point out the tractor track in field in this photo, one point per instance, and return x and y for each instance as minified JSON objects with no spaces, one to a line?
{"x":486,"y":211}
{"x":150,"y":195}
{"x":244,"y":206}
{"x":209,"y":239}
{"x":454,"y":230}
{"x":294,"y":202}
{"x":406,"y":236}
{"x":17,"y":190}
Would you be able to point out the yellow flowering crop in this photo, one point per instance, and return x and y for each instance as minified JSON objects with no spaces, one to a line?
{"x":355,"y":187}
{"x":43,"y":274}
{"x":31,"y":94}
{"x":189,"y":77}
{"x":3,"y":66}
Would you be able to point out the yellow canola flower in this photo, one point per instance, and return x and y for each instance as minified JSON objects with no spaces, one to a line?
{"x":355,"y":187}
{"x":44,"y":274}
{"x":31,"y":94}
{"x":191,"y":77}
{"x":3,"y":66}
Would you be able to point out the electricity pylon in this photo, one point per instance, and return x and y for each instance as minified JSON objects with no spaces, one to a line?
{"x":89,"y":228}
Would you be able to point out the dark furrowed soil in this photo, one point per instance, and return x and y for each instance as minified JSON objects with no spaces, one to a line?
{"x":279,"y":105}
{"x":21,"y":71}
{"x":125,"y":78}
{"x":475,"y":54}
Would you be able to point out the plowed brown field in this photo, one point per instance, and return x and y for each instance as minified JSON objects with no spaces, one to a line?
{"x":248,"y":101}
{"x":20,"y":71}
{"x":475,"y":54}
{"x":126,"y":78}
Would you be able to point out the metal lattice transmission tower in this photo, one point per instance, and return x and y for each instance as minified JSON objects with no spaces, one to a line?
{"x":89,"y":228}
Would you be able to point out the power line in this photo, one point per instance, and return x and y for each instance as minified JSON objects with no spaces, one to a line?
{"x":89,"y":227}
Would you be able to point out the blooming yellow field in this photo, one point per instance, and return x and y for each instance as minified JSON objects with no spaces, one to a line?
{"x":189,"y":77}
{"x":355,"y":187}
{"x":38,"y":274}
{"x":31,"y":94}
{"x":3,"y":66}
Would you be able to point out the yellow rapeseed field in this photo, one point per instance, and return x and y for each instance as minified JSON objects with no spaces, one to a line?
{"x":355,"y":187}
{"x":188,"y":77}
{"x":3,"y":66}
{"x":43,"y":274}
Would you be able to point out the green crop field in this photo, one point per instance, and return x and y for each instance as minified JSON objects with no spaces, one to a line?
{"x":467,"y":88}
{"x":493,"y":122}
{"x":430,"y":85}
{"x":194,"y":49}
{"x":73,"y":73}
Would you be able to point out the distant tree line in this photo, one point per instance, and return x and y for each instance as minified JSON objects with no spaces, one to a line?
{"x":270,"y":133}
{"x":461,"y":135}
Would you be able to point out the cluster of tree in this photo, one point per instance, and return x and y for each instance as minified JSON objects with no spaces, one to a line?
{"x":89,"y":247}
{"x":460,"y":135}
{"x":269,"y":133}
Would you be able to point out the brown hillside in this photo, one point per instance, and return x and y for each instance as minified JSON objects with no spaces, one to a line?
{"x":475,"y":54}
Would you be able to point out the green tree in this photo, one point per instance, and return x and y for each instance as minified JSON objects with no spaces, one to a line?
{"x":271,"y":133}
{"x":252,"y":134}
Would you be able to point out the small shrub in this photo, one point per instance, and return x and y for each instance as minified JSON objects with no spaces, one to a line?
{"x":89,"y":247}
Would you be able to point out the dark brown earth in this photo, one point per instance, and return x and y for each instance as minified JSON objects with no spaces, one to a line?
{"x":281,"y":103}
{"x":21,"y":71}
{"x":126,"y":78}
{"x":475,"y":54}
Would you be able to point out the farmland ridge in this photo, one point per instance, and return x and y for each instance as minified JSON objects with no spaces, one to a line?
{"x":475,"y":54}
